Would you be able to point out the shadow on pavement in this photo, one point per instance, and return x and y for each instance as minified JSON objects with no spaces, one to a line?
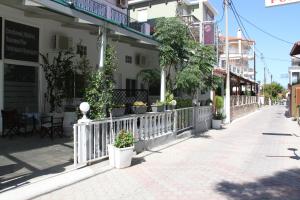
{"x":284,"y":185}
{"x":278,"y":134}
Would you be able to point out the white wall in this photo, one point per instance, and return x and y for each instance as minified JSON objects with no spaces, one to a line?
{"x":128,"y":70}
{"x":48,"y":28}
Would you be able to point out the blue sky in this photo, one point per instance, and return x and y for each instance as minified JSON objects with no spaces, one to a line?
{"x":282,"y":21}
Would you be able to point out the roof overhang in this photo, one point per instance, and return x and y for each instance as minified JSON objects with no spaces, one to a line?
{"x":296,"y":49}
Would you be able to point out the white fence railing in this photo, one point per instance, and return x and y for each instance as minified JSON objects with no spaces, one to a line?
{"x":238,"y":100}
{"x":91,"y":139}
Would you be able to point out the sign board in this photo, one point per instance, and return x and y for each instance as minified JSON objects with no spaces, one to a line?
{"x":208,"y":33}
{"x":21,"y":42}
{"x":270,"y":3}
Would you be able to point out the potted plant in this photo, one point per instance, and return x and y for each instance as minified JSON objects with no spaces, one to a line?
{"x":118,"y":110}
{"x":120,"y":153}
{"x":158,"y":106}
{"x":170,"y":101}
{"x":139,"y":107}
{"x":218,"y":116}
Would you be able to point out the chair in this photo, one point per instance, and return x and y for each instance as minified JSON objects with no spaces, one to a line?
{"x":51,"y":126}
{"x":12,"y":123}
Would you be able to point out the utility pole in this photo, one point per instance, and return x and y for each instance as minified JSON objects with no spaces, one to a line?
{"x":271,"y":78}
{"x":227,"y":97}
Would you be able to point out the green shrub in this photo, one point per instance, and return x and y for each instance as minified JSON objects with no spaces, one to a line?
{"x":184,"y":103}
{"x":158,"y":103}
{"x":124,"y":139}
{"x":219,"y":103}
{"x":219,"y":116}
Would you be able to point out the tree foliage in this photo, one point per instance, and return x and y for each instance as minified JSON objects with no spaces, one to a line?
{"x":99,"y":92}
{"x":273,"y":90}
{"x":192,"y":62}
{"x":173,"y":37}
{"x":56,"y":72}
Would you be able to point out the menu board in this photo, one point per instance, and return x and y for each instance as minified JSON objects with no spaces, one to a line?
{"x":21,"y":42}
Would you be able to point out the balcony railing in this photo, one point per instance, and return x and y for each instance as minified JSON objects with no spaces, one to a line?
{"x":190,"y":19}
{"x":91,"y":6}
{"x":109,"y":12}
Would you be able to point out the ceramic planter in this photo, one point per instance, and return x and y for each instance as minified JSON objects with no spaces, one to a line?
{"x":216,"y":124}
{"x":117,"y":112}
{"x":157,"y":108}
{"x":120,"y":157}
{"x":139,"y":109}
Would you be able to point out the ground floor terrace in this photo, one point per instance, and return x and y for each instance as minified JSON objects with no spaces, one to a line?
{"x":28,"y":29}
{"x":256,"y":157}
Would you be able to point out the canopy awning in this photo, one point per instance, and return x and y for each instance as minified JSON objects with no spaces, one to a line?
{"x":296,"y":49}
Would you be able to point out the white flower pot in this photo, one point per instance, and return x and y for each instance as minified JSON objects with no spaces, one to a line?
{"x":216,"y":124}
{"x":120,"y":157}
{"x":111,"y":154}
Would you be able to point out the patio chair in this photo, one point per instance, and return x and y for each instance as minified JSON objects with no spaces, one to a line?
{"x":12,"y":123}
{"x":51,"y":126}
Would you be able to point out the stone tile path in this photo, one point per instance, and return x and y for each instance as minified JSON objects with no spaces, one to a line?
{"x":255,"y":158}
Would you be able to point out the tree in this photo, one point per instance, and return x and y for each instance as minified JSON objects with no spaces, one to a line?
{"x":99,"y":93}
{"x":192,"y":62}
{"x":273,"y":90}
{"x":198,"y":69}
{"x":56,"y":73}
{"x":173,"y":37}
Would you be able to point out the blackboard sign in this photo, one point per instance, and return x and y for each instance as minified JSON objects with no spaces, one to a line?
{"x":21,"y":42}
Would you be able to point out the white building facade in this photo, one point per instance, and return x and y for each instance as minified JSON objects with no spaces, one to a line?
{"x":30,"y":28}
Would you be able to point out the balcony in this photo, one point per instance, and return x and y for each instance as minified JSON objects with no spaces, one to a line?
{"x":109,"y":12}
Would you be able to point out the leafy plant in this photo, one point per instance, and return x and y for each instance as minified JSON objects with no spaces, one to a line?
{"x":219,"y":104}
{"x":56,"y":73}
{"x":219,"y":116}
{"x":100,"y":86}
{"x":172,"y":34}
{"x":139,"y":103}
{"x":169,"y":98}
{"x":124,"y":139}
{"x":184,"y":103}
{"x":149,"y":76}
{"x":158,"y":103}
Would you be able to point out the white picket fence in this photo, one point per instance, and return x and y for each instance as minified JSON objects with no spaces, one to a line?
{"x":91,"y":139}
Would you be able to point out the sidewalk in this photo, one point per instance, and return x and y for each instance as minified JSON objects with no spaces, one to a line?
{"x":256,"y":157}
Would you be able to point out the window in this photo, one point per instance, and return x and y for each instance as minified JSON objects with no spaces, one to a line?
{"x":21,"y":88}
{"x":128,"y":59}
{"x":81,"y":50}
{"x":130,"y":87}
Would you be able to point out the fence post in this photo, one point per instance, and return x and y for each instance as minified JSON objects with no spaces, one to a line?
{"x":83,"y":131}
{"x":175,"y":122}
{"x":135,"y":132}
{"x":195,"y":119}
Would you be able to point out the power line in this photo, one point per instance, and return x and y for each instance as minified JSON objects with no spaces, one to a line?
{"x":267,"y":33}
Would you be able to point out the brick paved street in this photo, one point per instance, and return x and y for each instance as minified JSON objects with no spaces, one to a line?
{"x":256,"y":157}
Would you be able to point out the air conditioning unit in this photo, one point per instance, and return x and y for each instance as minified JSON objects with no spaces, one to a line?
{"x":61,"y":42}
{"x":122,"y":3}
{"x":140,"y":60}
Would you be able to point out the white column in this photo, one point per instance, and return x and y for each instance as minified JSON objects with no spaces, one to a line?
{"x":227,"y":99}
{"x":163,"y":85}
{"x":102,"y":45}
